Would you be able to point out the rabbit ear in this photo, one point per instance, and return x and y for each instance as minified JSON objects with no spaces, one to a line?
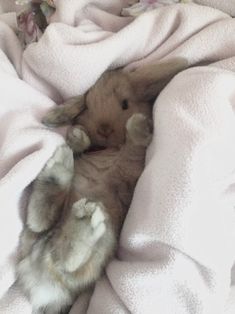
{"x":65,"y":113}
{"x":148,"y":80}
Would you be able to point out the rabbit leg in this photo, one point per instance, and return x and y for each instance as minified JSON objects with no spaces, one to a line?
{"x":27,"y":240}
{"x":77,"y":139}
{"x":52,"y":310}
{"x":86,"y":241}
{"x":50,"y":189}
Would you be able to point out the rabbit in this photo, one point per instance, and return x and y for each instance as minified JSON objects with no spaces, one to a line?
{"x":80,"y":198}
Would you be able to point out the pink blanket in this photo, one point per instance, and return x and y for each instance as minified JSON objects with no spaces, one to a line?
{"x":177,"y":246}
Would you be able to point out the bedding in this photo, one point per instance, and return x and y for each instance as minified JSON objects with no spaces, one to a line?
{"x":177,"y":246}
{"x":138,"y":7}
{"x":146,"y":5}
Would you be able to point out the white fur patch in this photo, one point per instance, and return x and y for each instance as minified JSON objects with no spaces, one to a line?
{"x":79,"y":137}
{"x":97,"y":217}
{"x":93,"y":211}
{"x":63,"y":156}
{"x":42,"y":289}
{"x":77,"y":132}
{"x":134,"y":121}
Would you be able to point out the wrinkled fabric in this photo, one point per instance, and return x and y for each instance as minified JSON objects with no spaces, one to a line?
{"x":146,"y":5}
{"x":176,"y":249}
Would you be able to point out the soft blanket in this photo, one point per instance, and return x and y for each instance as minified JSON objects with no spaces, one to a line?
{"x":145,"y":5}
{"x":177,"y":246}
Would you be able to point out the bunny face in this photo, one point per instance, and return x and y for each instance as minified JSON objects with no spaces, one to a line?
{"x":108,"y":106}
{"x":104,"y":110}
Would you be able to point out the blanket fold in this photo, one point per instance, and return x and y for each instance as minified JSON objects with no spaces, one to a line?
{"x":176,"y":249}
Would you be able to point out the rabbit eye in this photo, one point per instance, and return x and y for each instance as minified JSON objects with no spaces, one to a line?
{"x":125,"y":104}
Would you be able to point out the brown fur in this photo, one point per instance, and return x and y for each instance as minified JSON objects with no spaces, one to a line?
{"x":78,"y":205}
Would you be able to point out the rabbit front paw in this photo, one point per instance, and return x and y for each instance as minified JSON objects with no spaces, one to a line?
{"x":78,"y":140}
{"x":139,"y":129}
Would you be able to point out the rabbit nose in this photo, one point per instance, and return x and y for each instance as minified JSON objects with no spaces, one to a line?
{"x":104,"y":130}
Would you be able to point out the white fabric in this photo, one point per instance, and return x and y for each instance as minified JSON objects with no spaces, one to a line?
{"x":177,"y":244}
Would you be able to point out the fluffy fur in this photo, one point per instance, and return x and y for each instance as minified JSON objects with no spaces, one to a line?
{"x":81,"y":197}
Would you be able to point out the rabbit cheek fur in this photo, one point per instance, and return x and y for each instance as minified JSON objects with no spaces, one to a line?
{"x":80,"y":198}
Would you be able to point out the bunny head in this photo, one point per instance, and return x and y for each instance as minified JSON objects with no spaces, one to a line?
{"x":104,"y":110}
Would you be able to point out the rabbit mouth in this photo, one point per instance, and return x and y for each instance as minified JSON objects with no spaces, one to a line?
{"x":96,"y":148}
